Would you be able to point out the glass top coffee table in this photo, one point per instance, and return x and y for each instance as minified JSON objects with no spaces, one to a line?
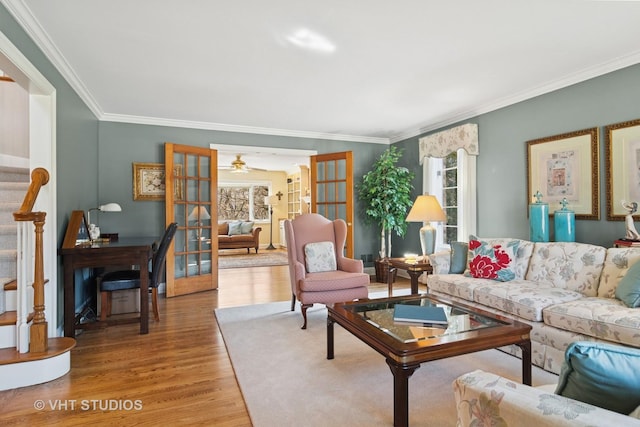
{"x":406,"y":345}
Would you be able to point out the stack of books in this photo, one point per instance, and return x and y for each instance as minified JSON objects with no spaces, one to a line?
{"x":419,"y":314}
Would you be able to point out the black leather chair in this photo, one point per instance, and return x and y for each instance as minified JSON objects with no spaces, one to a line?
{"x":130,"y":279}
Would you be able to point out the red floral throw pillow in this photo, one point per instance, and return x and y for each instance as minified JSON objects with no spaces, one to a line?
{"x":492,"y":262}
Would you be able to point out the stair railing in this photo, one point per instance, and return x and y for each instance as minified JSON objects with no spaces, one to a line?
{"x":33,"y":338}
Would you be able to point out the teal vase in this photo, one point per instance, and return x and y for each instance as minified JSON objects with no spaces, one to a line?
{"x":539,"y":222}
{"x":564,"y":222}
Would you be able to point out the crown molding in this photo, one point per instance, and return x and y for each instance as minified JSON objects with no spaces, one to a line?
{"x":22,"y":14}
{"x":123,"y":118}
{"x":569,"y":80}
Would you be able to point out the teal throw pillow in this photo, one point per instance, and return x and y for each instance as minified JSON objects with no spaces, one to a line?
{"x":458,"y":263}
{"x":235,"y":228}
{"x":603,"y":375}
{"x":246,"y":227}
{"x":628,"y":290}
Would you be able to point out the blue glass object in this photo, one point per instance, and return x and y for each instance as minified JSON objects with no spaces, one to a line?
{"x":564,"y":221}
{"x":539,"y":220}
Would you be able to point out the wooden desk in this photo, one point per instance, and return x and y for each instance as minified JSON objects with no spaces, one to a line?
{"x":414,"y":269}
{"x":124,"y":252}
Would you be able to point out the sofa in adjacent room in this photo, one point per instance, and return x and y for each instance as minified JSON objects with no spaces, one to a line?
{"x":238,"y":235}
{"x":566,"y":291}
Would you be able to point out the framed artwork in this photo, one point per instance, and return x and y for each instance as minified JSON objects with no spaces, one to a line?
{"x":149,"y":181}
{"x":622,"y":153}
{"x":566,"y":166}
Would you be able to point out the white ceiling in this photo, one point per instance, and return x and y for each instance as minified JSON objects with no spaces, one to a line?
{"x":387,"y":70}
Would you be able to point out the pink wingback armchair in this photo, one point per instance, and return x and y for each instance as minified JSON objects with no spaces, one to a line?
{"x":344,"y":281}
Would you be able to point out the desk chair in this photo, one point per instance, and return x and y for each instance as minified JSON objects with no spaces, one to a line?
{"x":318,"y":269}
{"x":130,"y":279}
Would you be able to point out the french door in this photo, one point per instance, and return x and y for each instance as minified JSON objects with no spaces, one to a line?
{"x":332,"y":190}
{"x":191,"y":179}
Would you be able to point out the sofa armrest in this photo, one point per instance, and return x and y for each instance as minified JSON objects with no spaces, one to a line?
{"x":256,"y":233}
{"x":482,"y":396}
{"x":440,"y":261}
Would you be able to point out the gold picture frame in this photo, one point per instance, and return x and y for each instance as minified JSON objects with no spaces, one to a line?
{"x":149,"y":181}
{"x":566,"y":166}
{"x":623,"y":174}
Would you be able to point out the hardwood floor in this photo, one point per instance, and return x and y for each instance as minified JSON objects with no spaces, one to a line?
{"x":178,"y":374}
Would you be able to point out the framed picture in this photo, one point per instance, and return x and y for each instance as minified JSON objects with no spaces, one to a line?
{"x":566,"y":166}
{"x":149,"y":181}
{"x":622,"y":153}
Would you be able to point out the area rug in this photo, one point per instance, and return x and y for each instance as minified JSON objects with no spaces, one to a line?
{"x":239,"y":258}
{"x":286,"y":379}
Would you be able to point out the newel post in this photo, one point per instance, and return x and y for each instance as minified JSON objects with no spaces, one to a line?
{"x":39,"y":340}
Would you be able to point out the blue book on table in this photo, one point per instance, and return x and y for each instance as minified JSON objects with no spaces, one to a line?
{"x":419,"y":314}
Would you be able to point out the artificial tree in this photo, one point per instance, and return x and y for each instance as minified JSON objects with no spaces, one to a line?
{"x":386,"y":195}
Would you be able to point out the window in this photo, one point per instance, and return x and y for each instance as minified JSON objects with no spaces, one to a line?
{"x":242,"y":201}
{"x":452,"y":180}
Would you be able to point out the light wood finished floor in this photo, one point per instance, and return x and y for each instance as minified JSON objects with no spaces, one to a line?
{"x":178,"y":374}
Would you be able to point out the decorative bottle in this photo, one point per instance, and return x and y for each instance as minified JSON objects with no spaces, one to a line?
{"x":564,"y":221}
{"x":539,"y":220}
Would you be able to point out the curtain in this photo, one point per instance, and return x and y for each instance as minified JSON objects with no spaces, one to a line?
{"x":443,"y":143}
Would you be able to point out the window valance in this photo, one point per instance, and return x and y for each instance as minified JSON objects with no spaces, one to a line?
{"x":443,"y":143}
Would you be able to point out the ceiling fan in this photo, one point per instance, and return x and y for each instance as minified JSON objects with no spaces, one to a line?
{"x":240,"y":166}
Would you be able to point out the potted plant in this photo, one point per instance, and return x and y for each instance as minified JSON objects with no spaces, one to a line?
{"x":386,"y":193}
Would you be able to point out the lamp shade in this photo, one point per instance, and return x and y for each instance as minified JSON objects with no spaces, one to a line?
{"x":199,"y":213}
{"x":110,"y":207}
{"x":426,"y":208}
{"x":270,"y":200}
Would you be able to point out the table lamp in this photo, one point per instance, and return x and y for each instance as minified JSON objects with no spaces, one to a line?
{"x":199,"y":214}
{"x":425,"y":209}
{"x":109,"y":207}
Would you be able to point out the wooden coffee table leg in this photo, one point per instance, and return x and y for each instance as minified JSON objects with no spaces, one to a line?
{"x":525,"y":346}
{"x":401,"y":374}
{"x":330,"y":323}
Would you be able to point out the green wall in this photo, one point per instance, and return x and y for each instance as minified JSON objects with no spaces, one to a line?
{"x":121,"y":144}
{"x":502,"y":182}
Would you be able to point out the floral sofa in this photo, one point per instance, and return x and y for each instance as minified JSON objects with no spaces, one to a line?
{"x":564,"y":290}
{"x":486,"y":399}
{"x":238,"y":235}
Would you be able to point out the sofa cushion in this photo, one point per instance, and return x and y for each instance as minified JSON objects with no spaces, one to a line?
{"x":458,"y":260}
{"x":603,"y":318}
{"x":603,"y":375}
{"x":235,"y":228}
{"x":522,"y":298}
{"x":246,"y":227}
{"x":457,"y":285}
{"x":320,"y":256}
{"x":616,"y":264}
{"x":568,"y":265}
{"x":223,"y":229}
{"x":628,"y":290}
{"x":488,"y":261}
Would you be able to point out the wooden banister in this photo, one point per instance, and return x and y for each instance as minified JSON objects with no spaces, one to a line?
{"x":39,"y":339}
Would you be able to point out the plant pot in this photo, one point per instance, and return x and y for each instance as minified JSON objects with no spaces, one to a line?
{"x":382,"y":271}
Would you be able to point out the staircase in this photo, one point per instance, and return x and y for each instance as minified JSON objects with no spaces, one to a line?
{"x":27,"y":355}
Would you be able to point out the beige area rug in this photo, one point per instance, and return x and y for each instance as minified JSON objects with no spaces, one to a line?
{"x":239,"y":258}
{"x":286,"y":379}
